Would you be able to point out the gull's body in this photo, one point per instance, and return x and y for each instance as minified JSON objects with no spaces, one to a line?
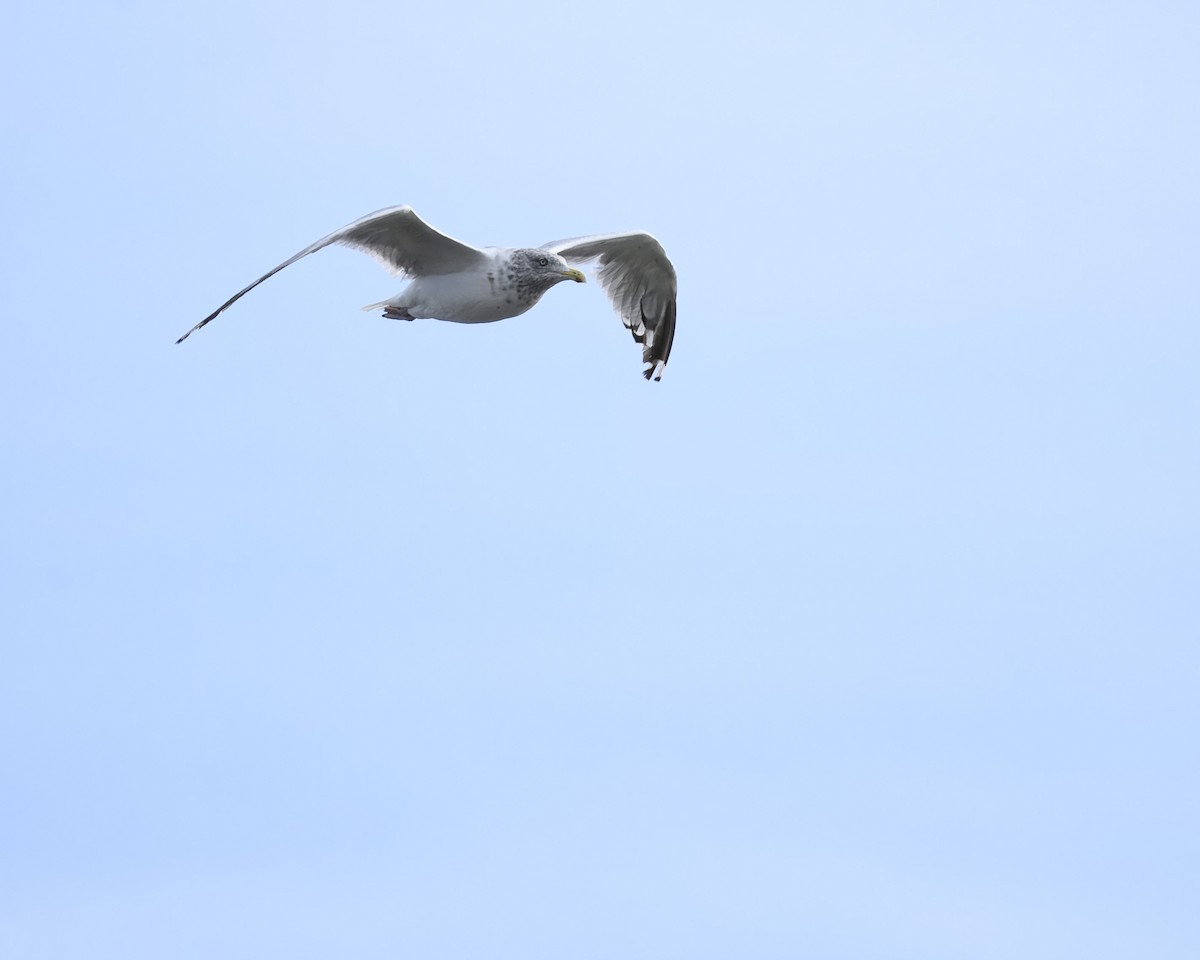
{"x":482,"y":297}
{"x":450,"y":280}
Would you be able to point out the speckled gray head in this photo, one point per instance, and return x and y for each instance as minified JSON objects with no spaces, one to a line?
{"x":536,"y":271}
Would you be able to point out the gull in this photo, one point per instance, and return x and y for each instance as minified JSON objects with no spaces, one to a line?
{"x":450,"y":280}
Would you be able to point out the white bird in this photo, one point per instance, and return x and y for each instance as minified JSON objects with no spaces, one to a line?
{"x":463,"y":284}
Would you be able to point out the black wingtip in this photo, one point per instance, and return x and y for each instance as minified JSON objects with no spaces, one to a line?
{"x":197,"y":327}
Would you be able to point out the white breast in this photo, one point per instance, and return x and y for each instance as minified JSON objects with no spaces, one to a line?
{"x":476,"y":297}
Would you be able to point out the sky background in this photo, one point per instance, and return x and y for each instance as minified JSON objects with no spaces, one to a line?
{"x":869,"y":632}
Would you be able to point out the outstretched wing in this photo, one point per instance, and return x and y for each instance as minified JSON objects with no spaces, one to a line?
{"x":396,"y":237}
{"x":634,"y":271}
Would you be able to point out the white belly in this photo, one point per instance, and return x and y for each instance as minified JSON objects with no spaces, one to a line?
{"x":462,"y":298}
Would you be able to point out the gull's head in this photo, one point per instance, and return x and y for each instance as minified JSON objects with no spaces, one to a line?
{"x":545,"y":268}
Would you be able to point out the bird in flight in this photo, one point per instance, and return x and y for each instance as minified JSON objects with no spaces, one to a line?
{"x":450,"y":280}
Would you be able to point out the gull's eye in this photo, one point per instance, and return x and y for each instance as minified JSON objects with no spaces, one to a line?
{"x":543,"y":261}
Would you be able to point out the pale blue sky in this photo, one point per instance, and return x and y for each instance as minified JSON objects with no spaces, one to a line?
{"x":870,"y":632}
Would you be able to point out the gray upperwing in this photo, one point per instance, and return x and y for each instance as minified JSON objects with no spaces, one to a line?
{"x":635,"y":272}
{"x":396,"y":237}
